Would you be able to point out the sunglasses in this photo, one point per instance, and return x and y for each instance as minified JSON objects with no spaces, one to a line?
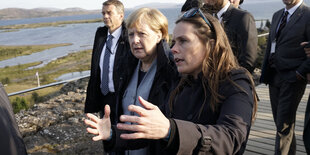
{"x":192,"y":12}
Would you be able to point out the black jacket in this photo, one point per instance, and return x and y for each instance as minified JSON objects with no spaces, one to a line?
{"x":94,"y":98}
{"x":222,"y":132}
{"x":11,"y":141}
{"x":165,"y":76}
{"x":240,"y":29}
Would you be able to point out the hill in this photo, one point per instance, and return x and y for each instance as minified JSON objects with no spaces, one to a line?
{"x":19,"y":13}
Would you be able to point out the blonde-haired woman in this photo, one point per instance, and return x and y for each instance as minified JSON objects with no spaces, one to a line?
{"x":154,"y":73}
{"x":211,"y":109}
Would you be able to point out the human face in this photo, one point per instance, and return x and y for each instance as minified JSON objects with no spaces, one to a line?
{"x":111,"y":17}
{"x":235,"y":3}
{"x":213,"y":6}
{"x":290,"y":3}
{"x":143,"y":41}
{"x":188,"y":50}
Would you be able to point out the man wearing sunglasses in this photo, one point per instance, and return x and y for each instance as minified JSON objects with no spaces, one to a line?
{"x":240,"y":29}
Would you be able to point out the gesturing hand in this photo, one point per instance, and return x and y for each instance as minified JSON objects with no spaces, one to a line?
{"x":307,"y":49}
{"x":100,"y":127}
{"x":152,"y":124}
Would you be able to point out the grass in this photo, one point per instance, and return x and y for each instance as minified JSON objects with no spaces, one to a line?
{"x":36,"y":25}
{"x":20,"y":78}
{"x":7,"y":52}
{"x":19,"y":75}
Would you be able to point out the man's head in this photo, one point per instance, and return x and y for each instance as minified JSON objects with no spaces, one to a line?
{"x":290,"y":3}
{"x":213,"y":6}
{"x":113,"y":14}
{"x":191,"y":4}
{"x":236,"y":3}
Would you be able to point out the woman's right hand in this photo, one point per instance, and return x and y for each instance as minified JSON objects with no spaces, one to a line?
{"x":100,"y":127}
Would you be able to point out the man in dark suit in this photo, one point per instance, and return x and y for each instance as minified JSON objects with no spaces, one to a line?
{"x":284,"y":69}
{"x":306,"y":134}
{"x":111,"y":52}
{"x":240,"y":29}
{"x":11,"y":141}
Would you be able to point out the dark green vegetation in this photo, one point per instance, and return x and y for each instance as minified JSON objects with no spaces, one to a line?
{"x":261,"y":48}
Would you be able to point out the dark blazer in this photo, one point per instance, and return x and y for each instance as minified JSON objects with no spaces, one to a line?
{"x":289,"y":56}
{"x":240,"y":29}
{"x":94,"y":98}
{"x":11,"y":141}
{"x":222,"y":132}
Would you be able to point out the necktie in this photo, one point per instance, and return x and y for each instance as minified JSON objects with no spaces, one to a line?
{"x":282,"y":24}
{"x":105,"y":67}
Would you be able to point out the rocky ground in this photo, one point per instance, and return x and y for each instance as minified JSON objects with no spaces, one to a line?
{"x":56,"y":125}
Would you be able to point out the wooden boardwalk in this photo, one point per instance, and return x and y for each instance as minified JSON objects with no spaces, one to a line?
{"x":262,"y":135}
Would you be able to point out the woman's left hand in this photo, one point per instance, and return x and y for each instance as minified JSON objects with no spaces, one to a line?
{"x":152,"y":124}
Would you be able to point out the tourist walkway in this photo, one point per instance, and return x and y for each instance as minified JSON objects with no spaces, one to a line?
{"x":262,"y":135}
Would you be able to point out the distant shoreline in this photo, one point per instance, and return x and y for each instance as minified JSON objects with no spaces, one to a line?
{"x":37,"y":25}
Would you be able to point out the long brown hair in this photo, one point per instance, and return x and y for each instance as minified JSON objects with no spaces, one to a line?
{"x":219,"y":61}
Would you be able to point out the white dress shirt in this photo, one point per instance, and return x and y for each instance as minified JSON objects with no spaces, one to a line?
{"x":222,"y":11}
{"x":292,"y":10}
{"x":116,"y":34}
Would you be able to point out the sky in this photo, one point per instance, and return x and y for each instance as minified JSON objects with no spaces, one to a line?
{"x":85,"y":4}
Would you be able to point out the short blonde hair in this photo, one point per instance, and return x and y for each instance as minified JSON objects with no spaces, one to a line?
{"x":152,"y":17}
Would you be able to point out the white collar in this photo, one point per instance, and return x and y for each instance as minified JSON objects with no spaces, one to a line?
{"x":294,"y":8}
{"x":223,"y":10}
{"x":117,"y":33}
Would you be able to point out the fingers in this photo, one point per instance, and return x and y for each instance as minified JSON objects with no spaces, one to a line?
{"x":131,"y":119}
{"x":136,"y":135}
{"x":97,"y":138}
{"x":93,"y":117}
{"x":107,"y":111}
{"x":304,"y":43}
{"x":137,"y":109}
{"x":147,"y":104}
{"x":130,"y":127}
{"x":92,"y":131}
{"x":90,"y":123}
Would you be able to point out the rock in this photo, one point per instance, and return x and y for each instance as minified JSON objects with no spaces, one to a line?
{"x":56,"y":125}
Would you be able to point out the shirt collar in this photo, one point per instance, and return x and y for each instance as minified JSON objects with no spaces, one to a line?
{"x":294,"y":8}
{"x":223,"y":10}
{"x":117,"y":33}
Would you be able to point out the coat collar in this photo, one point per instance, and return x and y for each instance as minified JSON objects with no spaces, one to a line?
{"x":227,"y":14}
{"x":164,"y":54}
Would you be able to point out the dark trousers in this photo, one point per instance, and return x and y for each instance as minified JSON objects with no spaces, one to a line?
{"x":306,"y":134}
{"x":285,"y":97}
{"x":109,"y":99}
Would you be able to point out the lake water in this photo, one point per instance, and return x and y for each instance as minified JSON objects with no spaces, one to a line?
{"x":81,"y":35}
